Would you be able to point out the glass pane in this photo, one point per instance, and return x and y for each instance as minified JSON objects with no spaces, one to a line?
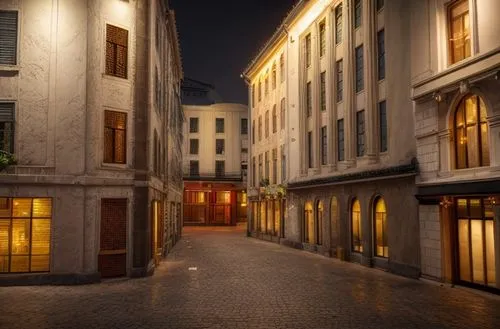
{"x":490,"y":253}
{"x":277,"y":216}
{"x":384,"y":230}
{"x":42,"y":207}
{"x":4,"y":264}
{"x":120,"y":146}
{"x":482,"y":110}
{"x":5,"y":206}
{"x":223,"y":197}
{"x":19,"y":263}
{"x":488,"y":209}
{"x":462,"y":208}
{"x":270,"y":216}
{"x":4,"y":236}
{"x":463,"y":249}
{"x":310,"y":226}
{"x":477,"y":251}
{"x":471,"y":110}
{"x":485,"y":149}
{"x":40,"y":237}
{"x":476,"y":210}
{"x":20,"y":237}
{"x":379,"y":234}
{"x":459,"y":116}
{"x":40,"y":263}
{"x":21,"y":208}
{"x":263,"y":216}
{"x":472,"y":146}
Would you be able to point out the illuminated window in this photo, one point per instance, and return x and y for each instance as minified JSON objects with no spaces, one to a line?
{"x":195,"y":197}
{"x":309,"y":223}
{"x":223,"y":197}
{"x":7,"y":127}
{"x":263,"y":216}
{"x":8,"y":37}
{"x":115,"y":137}
{"x":356,"y":236}
{"x":277,"y":217}
{"x":471,"y":134}
{"x":116,"y":51}
{"x":476,"y":245}
{"x":459,"y":31}
{"x":319,"y":222}
{"x":381,"y":245}
{"x":25,"y":234}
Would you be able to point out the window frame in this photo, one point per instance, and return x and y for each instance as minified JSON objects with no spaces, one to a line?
{"x":112,"y":71}
{"x":359,"y":69}
{"x":220,"y":125}
{"x":11,"y":131}
{"x":194,"y":146}
{"x":324,"y":146}
{"x":244,"y":126}
{"x":338,"y":24}
{"x":381,"y":54}
{"x":383,"y":129}
{"x":340,"y":140}
{"x":15,"y":56}
{"x":220,"y":146}
{"x":339,"y":80}
{"x":322,"y":91}
{"x":360,"y":133}
{"x":194,"y":127}
{"x":113,"y":143}
{"x":322,"y":38}
{"x":449,"y":30}
{"x":358,"y":14}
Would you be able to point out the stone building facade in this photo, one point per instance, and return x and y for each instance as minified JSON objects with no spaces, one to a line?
{"x":348,"y":183}
{"x":90,"y":109}
{"x":455,"y":73}
{"x":215,"y":162}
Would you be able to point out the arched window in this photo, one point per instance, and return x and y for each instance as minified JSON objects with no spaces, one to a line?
{"x":334,"y":219}
{"x":471,"y":133}
{"x":273,"y":77}
{"x":380,"y":222}
{"x":319,"y":222}
{"x":308,"y":223}
{"x":356,"y":226}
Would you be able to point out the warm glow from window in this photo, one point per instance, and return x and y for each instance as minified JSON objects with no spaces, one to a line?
{"x":356,"y":227}
{"x":223,"y":197}
{"x":381,"y":245}
{"x":25,"y":234}
{"x":309,"y":232}
{"x":459,"y":31}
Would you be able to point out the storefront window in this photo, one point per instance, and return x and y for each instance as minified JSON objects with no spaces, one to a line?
{"x":381,"y":245}
{"x":25,"y":234}
{"x":319,"y":224}
{"x":308,"y":223}
{"x":356,"y":226}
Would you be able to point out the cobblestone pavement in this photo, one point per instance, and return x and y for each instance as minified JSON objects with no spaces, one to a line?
{"x":242,"y":282}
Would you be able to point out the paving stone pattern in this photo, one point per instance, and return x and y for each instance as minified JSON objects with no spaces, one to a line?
{"x":242,"y":282}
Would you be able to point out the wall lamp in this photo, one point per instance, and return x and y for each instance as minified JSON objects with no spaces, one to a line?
{"x":438,"y":96}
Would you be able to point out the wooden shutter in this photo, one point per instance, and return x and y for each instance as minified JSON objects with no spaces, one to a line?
{"x":6,"y":112}
{"x":8,"y":37}
{"x":116,"y":51}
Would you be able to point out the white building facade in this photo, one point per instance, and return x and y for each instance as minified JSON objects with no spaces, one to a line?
{"x":455,"y":73}
{"x":88,"y":90}
{"x":346,"y":184}
{"x":215,"y":163}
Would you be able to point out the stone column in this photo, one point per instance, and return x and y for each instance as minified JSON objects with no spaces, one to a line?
{"x":349,"y":93}
{"x":371,"y":81}
{"x":331,"y":105}
{"x":316,"y":114}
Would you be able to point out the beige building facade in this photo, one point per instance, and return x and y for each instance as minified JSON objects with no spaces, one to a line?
{"x":215,"y":163}
{"x":90,"y":109}
{"x":455,"y":73}
{"x":346,"y":184}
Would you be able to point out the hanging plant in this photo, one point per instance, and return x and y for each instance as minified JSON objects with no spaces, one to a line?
{"x":6,"y":159}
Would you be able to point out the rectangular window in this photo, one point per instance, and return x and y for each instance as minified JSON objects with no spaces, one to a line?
{"x":309,"y":98}
{"x":193,"y":125}
{"x":220,"y":168}
{"x":380,"y":4}
{"x":266,"y":168}
{"x":219,"y":146}
{"x":273,"y":77}
{"x":244,"y":150}
{"x":358,"y":8}
{"x":261,"y":173}
{"x":381,"y":54}
{"x":219,"y":125}
{"x":308,"y":50}
{"x":275,"y":120}
{"x":260,"y":128}
{"x":260,"y":90}
{"x":459,"y":31}
{"x":360,"y":133}
{"x":116,"y":51}
{"x":283,"y":114}
{"x":267,"y":124}
{"x":338,"y":24}
{"x":360,"y":83}
{"x":254,"y":172}
{"x":340,"y":140}
{"x":194,"y":146}
{"x":282,"y":67}
{"x":25,"y":225}
{"x":253,"y":95}
{"x":283,"y":163}
{"x":8,"y":37}
{"x":383,"y":126}
{"x":266,"y":86}
{"x":323,"y":91}
{"x":253,"y":132}
{"x":115,"y":137}
{"x":7,"y":127}
{"x":275,"y":166}
{"x":340,"y":80}
{"x":244,"y":126}
{"x":309,"y":149}
{"x":324,"y":146}
{"x":322,"y":38}
{"x":194,"y":168}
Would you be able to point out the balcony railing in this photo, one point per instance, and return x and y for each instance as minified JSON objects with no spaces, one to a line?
{"x":213,"y":176}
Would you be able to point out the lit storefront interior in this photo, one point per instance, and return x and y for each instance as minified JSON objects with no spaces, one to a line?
{"x":25,"y":225}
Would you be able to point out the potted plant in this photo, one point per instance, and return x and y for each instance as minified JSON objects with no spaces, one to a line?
{"x":6,"y":159}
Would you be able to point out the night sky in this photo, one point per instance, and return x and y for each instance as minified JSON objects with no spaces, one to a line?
{"x":219,"y":38}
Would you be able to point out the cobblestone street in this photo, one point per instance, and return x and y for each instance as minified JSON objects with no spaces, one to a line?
{"x":242,"y":282}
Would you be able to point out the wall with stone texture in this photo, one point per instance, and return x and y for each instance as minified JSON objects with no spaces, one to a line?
{"x":430,"y":240}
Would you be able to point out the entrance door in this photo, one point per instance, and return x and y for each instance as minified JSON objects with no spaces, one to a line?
{"x":476,"y":245}
{"x":113,"y":252}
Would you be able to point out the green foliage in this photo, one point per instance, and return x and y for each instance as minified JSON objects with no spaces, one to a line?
{"x":6,"y":159}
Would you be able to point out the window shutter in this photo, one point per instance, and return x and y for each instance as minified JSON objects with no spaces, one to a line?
{"x":6,"y":112}
{"x":8,"y":37}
